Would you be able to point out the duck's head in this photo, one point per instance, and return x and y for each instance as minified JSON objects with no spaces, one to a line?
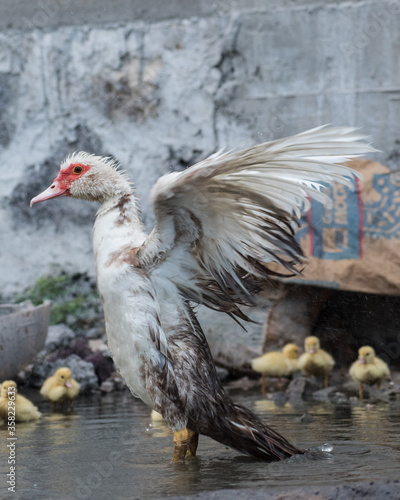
{"x":366,"y":354}
{"x":88,"y":177}
{"x":63,"y":377}
{"x":311,"y":345}
{"x":291,"y":351}
{"x":8,"y":389}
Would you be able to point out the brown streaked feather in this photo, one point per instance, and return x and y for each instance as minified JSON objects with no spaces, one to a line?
{"x":216,"y":414}
{"x":127,"y":255}
{"x":122,"y":206}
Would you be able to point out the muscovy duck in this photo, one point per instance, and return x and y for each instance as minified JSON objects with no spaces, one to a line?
{"x":218,"y":224}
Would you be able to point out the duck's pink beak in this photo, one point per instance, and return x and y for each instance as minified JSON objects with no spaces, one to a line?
{"x":311,"y":351}
{"x":68,"y":383}
{"x":51,"y":192}
{"x":361,"y":360}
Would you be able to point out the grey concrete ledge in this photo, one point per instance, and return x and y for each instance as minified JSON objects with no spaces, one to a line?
{"x":49,"y":14}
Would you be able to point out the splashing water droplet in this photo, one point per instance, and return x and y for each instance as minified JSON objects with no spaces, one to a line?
{"x":326,"y":447}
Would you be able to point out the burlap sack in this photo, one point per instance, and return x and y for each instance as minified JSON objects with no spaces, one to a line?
{"x":355,"y":244}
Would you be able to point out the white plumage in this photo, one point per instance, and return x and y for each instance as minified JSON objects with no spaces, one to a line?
{"x":218,"y":226}
{"x":235,"y":209}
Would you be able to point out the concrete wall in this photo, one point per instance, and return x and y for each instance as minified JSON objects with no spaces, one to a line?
{"x":160,"y":85}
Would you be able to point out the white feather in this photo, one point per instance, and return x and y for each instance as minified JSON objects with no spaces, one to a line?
{"x":237,"y":207}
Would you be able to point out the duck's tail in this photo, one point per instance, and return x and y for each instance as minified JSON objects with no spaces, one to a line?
{"x":240,"y":429}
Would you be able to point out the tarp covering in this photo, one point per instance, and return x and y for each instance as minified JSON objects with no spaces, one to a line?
{"x":355,"y":243}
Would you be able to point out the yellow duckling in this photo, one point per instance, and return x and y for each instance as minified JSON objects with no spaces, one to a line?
{"x":368,"y":369}
{"x":24,"y":409}
{"x":276,"y":363}
{"x":60,"y":387}
{"x":316,"y":361}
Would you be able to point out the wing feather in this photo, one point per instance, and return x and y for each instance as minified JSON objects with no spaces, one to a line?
{"x":235,"y":212}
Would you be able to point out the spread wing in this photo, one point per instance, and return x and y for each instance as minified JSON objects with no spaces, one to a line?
{"x":222,"y":221}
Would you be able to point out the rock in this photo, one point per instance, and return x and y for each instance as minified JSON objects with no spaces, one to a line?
{"x":232,"y":347}
{"x":97,"y":345}
{"x":371,"y":394}
{"x":70,"y":319}
{"x":41,"y":369}
{"x":350,"y":387}
{"x":392,"y":390}
{"x":339,"y":398}
{"x":103,"y":364}
{"x":374,"y":395}
{"x":78,"y":347}
{"x":119,"y":382}
{"x":223,"y":373}
{"x":96,"y":332}
{"x":107,"y":386}
{"x":299,"y":390}
{"x":242,"y":384}
{"x":331,"y":395}
{"x":324,"y":394}
{"x":306,"y":418}
{"x":58,"y":336}
{"x":280,"y":399}
{"x":21,"y":377}
{"x":292,"y":316}
{"x":233,"y":357}
{"x":395,"y":378}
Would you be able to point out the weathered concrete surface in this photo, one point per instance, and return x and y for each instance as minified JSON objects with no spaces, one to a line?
{"x":160,"y":86}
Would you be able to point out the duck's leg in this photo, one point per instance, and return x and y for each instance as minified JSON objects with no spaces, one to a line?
{"x":263,"y":385}
{"x":193,"y":443}
{"x":361,"y":391}
{"x":181,"y":441}
{"x":326,"y":380}
{"x":378,"y":384}
{"x":54,"y":406}
{"x":71,"y":404}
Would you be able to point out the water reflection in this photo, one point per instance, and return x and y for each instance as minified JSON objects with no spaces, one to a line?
{"x":110,"y":448}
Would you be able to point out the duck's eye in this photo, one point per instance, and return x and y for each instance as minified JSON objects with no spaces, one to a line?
{"x":62,"y":376}
{"x":77,"y":170}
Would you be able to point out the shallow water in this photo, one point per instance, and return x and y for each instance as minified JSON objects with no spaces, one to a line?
{"x":110,"y":449}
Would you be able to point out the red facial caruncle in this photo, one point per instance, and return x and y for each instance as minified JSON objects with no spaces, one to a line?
{"x":62,"y":183}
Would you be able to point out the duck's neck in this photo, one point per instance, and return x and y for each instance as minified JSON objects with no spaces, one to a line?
{"x":118,"y":225}
{"x":123,"y":206}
